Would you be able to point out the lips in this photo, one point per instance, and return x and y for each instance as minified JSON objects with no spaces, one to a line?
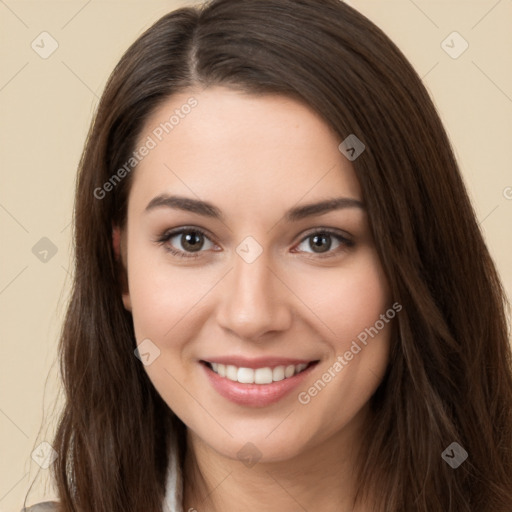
{"x":256,"y":382}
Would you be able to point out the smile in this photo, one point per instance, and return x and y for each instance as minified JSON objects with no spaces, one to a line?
{"x":264,"y":375}
{"x":256,"y":382}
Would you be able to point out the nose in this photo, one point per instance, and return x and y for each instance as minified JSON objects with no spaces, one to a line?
{"x":254,"y":302}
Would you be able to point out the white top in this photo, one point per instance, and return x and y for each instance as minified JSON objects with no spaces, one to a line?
{"x":174,"y":487}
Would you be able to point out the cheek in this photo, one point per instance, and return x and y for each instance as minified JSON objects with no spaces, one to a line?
{"x":166,"y":302}
{"x":162,"y":295}
{"x":347,"y":300}
{"x":349,"y":306}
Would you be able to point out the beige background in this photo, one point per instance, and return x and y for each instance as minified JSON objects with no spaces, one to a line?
{"x":46,"y":106}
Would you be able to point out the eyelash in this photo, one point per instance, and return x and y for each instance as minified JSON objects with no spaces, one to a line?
{"x":346,"y":243}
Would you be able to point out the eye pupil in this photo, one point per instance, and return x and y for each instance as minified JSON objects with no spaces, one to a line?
{"x":322,"y":242}
{"x":192,"y":241}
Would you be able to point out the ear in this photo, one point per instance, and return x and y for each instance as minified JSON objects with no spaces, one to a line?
{"x":119,"y":247}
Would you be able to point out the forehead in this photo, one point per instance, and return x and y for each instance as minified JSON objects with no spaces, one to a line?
{"x":240,"y":149}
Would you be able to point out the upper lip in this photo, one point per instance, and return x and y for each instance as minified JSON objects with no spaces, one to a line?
{"x":257,"y":362}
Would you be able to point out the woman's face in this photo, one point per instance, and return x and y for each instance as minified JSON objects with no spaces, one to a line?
{"x":230,"y":262}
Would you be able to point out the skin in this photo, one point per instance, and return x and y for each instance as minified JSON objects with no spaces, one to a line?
{"x":255,"y":157}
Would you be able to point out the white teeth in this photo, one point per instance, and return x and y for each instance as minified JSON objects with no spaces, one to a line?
{"x":278,"y":373}
{"x":289,"y":371}
{"x":264,"y":375}
{"x":245,"y":375}
{"x":231,"y":372}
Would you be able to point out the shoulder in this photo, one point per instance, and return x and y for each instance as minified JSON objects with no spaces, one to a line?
{"x":47,"y":506}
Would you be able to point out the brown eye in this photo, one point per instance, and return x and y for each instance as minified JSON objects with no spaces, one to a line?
{"x":192,"y":241}
{"x":324,"y":242}
{"x":186,"y":242}
{"x":320,"y":243}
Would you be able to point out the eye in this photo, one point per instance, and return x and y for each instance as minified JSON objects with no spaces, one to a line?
{"x":185,"y":242}
{"x":325,"y":243}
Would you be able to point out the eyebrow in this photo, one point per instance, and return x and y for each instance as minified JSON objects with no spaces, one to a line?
{"x":293,"y":215}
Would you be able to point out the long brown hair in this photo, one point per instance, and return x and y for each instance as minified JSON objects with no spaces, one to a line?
{"x":450,"y":373}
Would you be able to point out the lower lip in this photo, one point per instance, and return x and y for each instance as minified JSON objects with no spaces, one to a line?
{"x":255,"y":395}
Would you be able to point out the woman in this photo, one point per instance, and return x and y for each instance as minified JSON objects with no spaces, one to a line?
{"x":282,"y":298}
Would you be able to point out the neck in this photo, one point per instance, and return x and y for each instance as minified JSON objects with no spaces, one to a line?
{"x":320,"y":477}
